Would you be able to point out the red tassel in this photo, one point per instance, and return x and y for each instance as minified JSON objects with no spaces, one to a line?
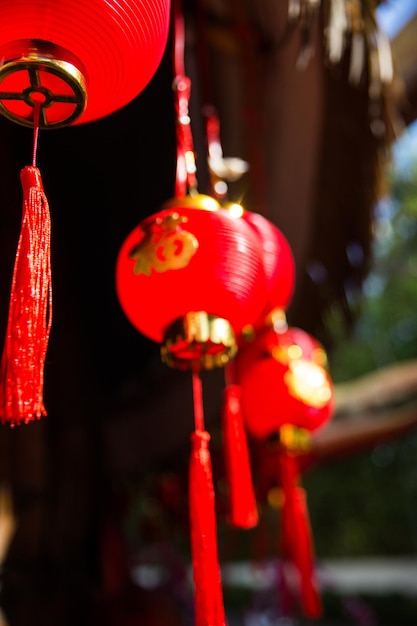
{"x":30,"y":310}
{"x":209,"y":610}
{"x":297,"y":543}
{"x":243,"y":510}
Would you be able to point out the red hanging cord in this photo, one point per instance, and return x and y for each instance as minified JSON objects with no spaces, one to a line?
{"x":208,"y":594}
{"x":30,"y":308}
{"x":198,"y":400}
{"x":186,"y":179}
{"x":208,"y":600}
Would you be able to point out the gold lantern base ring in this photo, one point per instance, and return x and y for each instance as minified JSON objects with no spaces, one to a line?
{"x":198,"y":340}
{"x":28,"y":76}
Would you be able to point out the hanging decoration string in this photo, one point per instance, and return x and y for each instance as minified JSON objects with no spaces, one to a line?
{"x":209,"y":609}
{"x":36,"y":118}
{"x":186,"y":179}
{"x":30,"y":308}
{"x":208,"y":594}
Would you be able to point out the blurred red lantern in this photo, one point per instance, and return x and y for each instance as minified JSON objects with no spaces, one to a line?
{"x":285,"y":387}
{"x":288,"y":343}
{"x":284,"y":381}
{"x":191,"y":277}
{"x":78,"y":60}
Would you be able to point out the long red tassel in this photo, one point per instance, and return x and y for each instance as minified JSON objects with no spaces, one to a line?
{"x":209,"y":609}
{"x":243,"y":511}
{"x":30,"y":310}
{"x":297,"y":543}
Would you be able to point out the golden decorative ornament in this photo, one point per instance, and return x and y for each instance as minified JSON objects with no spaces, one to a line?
{"x":199,"y":339}
{"x":294,"y":439}
{"x":308,"y":382}
{"x":36,"y":71}
{"x":164,"y":246}
{"x":193,"y":201}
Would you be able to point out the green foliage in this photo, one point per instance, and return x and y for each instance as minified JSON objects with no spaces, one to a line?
{"x":386,"y":330}
{"x":367,"y":504}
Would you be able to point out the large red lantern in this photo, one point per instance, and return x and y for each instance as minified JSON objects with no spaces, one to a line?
{"x":62,"y":62}
{"x":191,"y":277}
{"x":79,"y":60}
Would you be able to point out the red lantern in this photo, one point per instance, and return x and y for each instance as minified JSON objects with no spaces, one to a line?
{"x":61,"y":62}
{"x":78,"y":59}
{"x":284,"y":381}
{"x":191,"y":277}
{"x":284,"y":388}
{"x":288,"y":343}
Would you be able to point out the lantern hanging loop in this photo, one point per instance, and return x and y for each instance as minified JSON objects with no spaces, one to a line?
{"x":222,"y":169}
{"x":186,"y":178}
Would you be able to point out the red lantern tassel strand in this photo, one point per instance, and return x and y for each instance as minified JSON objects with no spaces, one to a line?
{"x":30,"y":309}
{"x":297,"y":544}
{"x":209,"y":609}
{"x":243,"y":511}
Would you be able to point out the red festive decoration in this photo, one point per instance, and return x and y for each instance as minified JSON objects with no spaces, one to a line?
{"x":206,"y":571}
{"x":81,"y":60}
{"x":191,"y":278}
{"x":29,"y":322}
{"x":296,"y":534}
{"x":62,"y":62}
{"x":191,"y":257}
{"x":284,"y":384}
{"x":285,"y":387}
{"x":289,"y":343}
{"x":243,"y":511}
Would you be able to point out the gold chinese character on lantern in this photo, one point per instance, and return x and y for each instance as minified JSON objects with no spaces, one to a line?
{"x":164,"y":246}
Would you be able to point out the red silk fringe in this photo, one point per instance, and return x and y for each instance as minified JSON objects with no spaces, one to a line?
{"x":209,"y":609}
{"x":243,"y":511}
{"x":297,"y":542}
{"x":30,"y":310}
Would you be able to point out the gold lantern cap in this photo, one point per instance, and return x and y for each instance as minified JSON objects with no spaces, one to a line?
{"x":198,"y":340}
{"x":193,"y":201}
{"x":29,"y":69}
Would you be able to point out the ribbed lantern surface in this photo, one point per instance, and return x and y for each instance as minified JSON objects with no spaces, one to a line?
{"x":186,"y":259}
{"x":116,"y":45}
